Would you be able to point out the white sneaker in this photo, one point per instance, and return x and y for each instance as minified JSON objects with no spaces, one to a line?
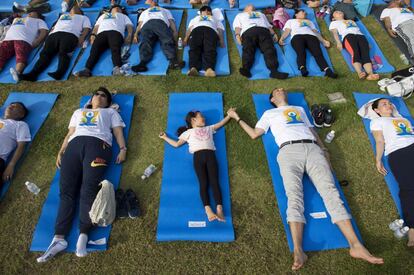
{"x":64,"y":6}
{"x":14,"y":74}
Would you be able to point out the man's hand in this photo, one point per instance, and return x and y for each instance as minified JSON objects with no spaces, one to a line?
{"x":8,"y":173}
{"x":222,"y":44}
{"x":136,"y":39}
{"x":380,"y":168}
{"x":392,"y":33}
{"x":80,"y":42}
{"x":162,"y":135}
{"x":232,"y":113}
{"x":339,"y":46}
{"x":59,"y":159}
{"x":326,"y":43}
{"x":35,"y":44}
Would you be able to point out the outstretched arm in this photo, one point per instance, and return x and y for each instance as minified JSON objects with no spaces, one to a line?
{"x":42,"y":35}
{"x":379,"y":149}
{"x":337,"y":40}
{"x":285,"y":34}
{"x":119,"y":136}
{"x":170,"y":141}
{"x":252,"y":132}
{"x":388,"y":26}
{"x":325,"y":42}
{"x":224,"y":121}
{"x":128,"y":39}
{"x":8,"y":173}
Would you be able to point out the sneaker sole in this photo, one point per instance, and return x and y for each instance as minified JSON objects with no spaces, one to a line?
{"x":327,"y":125}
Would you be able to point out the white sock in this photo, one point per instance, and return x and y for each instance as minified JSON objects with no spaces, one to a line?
{"x":81,"y":245}
{"x":57,"y":245}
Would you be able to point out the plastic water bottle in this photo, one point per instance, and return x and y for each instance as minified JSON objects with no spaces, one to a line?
{"x":404,"y":59}
{"x":180,"y":43}
{"x":149,"y":171}
{"x":397,"y":224}
{"x":330,"y":136}
{"x":402,"y":232}
{"x":32,"y":187}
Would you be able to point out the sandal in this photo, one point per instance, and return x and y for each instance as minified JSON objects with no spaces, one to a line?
{"x":362,"y":75}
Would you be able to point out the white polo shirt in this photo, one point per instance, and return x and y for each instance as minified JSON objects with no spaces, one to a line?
{"x":246,"y":20}
{"x":73,"y":24}
{"x":397,"y":16}
{"x":205,"y":21}
{"x":345,"y":27}
{"x":300,"y":26}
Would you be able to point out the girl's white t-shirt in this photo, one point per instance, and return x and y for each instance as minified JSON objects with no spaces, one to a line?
{"x":156,"y":13}
{"x":397,"y":131}
{"x":345,"y":27}
{"x":95,"y":123}
{"x":300,"y":26}
{"x":200,"y":138}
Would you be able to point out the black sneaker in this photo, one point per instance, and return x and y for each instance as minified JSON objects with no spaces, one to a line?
{"x":132,"y":204}
{"x":330,"y":73}
{"x":83,"y":73}
{"x":328,"y":116}
{"x":245,"y":72}
{"x":121,"y":206}
{"x":176,"y":65}
{"x":140,"y":68}
{"x":318,"y":115}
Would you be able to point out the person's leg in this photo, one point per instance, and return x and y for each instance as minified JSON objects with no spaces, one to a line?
{"x":298,"y":44}
{"x":363,"y":46}
{"x":148,"y":40}
{"x":210,"y":48}
{"x":406,"y":31}
{"x":98,"y":47}
{"x":6,"y":52}
{"x":351,"y":46}
{"x":22,"y":49}
{"x":249,"y":44}
{"x":67,"y":44}
{"x":115,"y":41}
{"x":167,"y":42}
{"x":196,"y":46}
{"x":314,"y":47}
{"x":213,"y":177}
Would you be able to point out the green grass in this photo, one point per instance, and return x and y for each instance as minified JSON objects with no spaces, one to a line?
{"x":260,"y":245}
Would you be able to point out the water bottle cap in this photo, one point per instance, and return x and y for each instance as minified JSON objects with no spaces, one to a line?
{"x":143,"y":177}
{"x":27,"y":183}
{"x":332,"y":132}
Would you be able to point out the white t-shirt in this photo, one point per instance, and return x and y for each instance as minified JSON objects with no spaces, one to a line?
{"x":200,"y":138}
{"x":156,"y":13}
{"x":205,"y":21}
{"x":95,"y":123}
{"x":300,"y":26}
{"x":110,"y":22}
{"x":287,"y":123}
{"x":345,"y":27}
{"x":397,"y":16}
{"x":25,"y":29}
{"x":12,"y":132}
{"x":397,"y":131}
{"x":72,"y":24}
{"x":245,"y":21}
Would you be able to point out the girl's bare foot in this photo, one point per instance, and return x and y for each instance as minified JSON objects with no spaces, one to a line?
{"x":299,"y":259}
{"x":210,"y":214}
{"x":360,"y":252}
{"x":410,"y":237}
{"x":220,"y":214}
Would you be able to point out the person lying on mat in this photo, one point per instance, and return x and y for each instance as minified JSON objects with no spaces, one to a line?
{"x":253,"y":30}
{"x":14,"y":135}
{"x":201,"y":144}
{"x":68,"y":33}
{"x":394,"y":138}
{"x":156,"y":23}
{"x":108,"y":33}
{"x":24,"y":35}
{"x":83,"y":159}
{"x":203,"y":34}
{"x":300,"y":151}
{"x":305,"y":36}
{"x":399,"y":21}
{"x":355,"y":43}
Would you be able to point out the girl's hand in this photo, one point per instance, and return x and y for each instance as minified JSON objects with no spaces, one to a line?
{"x":232,"y":113}
{"x":121,"y":157}
{"x":380,"y":168}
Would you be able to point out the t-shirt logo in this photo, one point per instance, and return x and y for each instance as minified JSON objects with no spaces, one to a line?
{"x":65,"y":17}
{"x":19,"y":21}
{"x":206,"y":18}
{"x":304,"y":23}
{"x":201,"y":134}
{"x":403,"y":127}
{"x":89,"y":118}
{"x":155,"y":9}
{"x":405,"y":10}
{"x":350,"y":24}
{"x":1,"y":125}
{"x":109,"y":16}
{"x":292,"y":116}
{"x":254,"y":15}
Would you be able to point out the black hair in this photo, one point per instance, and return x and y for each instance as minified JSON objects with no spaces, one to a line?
{"x":190,"y":115}
{"x":26,"y":111}
{"x":205,"y":8}
{"x":297,"y":11}
{"x":376,"y":103}
{"x":270,"y":99}
{"x":108,"y":97}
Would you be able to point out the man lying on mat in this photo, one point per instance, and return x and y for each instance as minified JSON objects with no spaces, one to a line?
{"x":300,"y":151}
{"x":14,"y":135}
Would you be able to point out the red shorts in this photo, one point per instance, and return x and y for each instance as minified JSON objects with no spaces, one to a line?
{"x":10,"y":48}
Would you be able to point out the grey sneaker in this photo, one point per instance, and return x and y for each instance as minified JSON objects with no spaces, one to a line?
{"x":116,"y":71}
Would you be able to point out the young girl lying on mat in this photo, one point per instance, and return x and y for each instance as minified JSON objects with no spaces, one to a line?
{"x":394,"y":137}
{"x":201,"y":144}
{"x":355,"y":43}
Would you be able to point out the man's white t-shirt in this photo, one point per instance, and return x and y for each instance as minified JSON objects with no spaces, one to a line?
{"x":205,"y":21}
{"x":25,"y":29}
{"x":73,"y":24}
{"x":95,"y":123}
{"x":287,"y":123}
{"x":200,"y":138}
{"x":345,"y":27}
{"x":397,"y":131}
{"x":12,"y":132}
{"x":111,"y":22}
{"x":156,"y":13}
{"x":246,"y":20}
{"x":397,"y":16}
{"x":300,"y":26}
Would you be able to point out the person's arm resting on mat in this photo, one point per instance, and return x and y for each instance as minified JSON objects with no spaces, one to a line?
{"x":93,"y":34}
{"x":238,"y":36}
{"x":64,"y":145}
{"x":9,"y":171}
{"x":337,"y":40}
{"x":221,"y":38}
{"x":136,"y":35}
{"x":187,"y":36}
{"x":254,"y":133}
{"x":119,"y":136}
{"x":284,"y":35}
{"x":170,"y":141}
{"x":128,"y":39}
{"x":324,"y":42}
{"x":379,"y":149}
{"x":39,"y":39}
{"x":388,"y":26}
{"x":83,"y":35}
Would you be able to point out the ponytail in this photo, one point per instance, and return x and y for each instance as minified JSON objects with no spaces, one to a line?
{"x":190,"y":115}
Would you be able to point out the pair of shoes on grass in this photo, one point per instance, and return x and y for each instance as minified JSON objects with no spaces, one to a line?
{"x":322,"y":115}
{"x":127,"y":204}
{"x":194,"y":72}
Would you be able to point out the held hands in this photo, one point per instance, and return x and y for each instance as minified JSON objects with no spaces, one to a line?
{"x":380,"y":168}
{"x":162,"y":135}
{"x":121,"y":157}
{"x":8,"y":173}
{"x":232,"y":114}
{"x":136,"y":39}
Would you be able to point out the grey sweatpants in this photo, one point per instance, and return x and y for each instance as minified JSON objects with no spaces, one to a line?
{"x":296,"y":159}
{"x":406,"y":31}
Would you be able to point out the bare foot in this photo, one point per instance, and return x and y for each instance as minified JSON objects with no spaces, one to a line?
{"x":360,"y":252}
{"x":299,"y":259}
{"x":210,"y":214}
{"x":220,"y":214}
{"x":410,"y":237}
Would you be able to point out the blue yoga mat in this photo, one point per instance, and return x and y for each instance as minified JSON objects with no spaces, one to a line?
{"x":177,"y":4}
{"x":374,"y":50}
{"x":222,"y":4}
{"x":104,"y":66}
{"x":378,"y":2}
{"x":7,"y":5}
{"x":222,"y":65}
{"x":361,"y":99}
{"x":181,"y":214}
{"x":159,"y":63}
{"x":290,"y":53}
{"x":257,"y":4}
{"x":259,"y":69}
{"x":319,"y":234}
{"x":44,"y":231}
{"x":5,"y":76}
{"x":54,"y":63}
{"x":363,"y":6}
{"x":39,"y":106}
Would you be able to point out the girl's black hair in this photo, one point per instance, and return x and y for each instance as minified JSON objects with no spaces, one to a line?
{"x":375,"y":104}
{"x":190,"y":115}
{"x":297,"y":11}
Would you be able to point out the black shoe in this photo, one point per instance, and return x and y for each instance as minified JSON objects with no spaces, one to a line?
{"x":304,"y":72}
{"x":330,"y":73}
{"x":318,"y":115}
{"x":132,"y":204}
{"x":245,"y":72}
{"x":28,"y":77}
{"x":55,"y":76}
{"x":328,"y":116}
{"x":176,"y":65}
{"x":140,"y":68}
{"x":121,"y":206}
{"x":83,"y":73}
{"x":279,"y":75}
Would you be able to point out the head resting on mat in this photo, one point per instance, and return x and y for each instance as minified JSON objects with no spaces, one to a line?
{"x":193,"y":119}
{"x":278,"y":97}
{"x":338,"y":15}
{"x":116,"y":8}
{"x":249,"y":8}
{"x":206,"y":10}
{"x":101,"y":98}
{"x":383,"y":107}
{"x":16,"y":111}
{"x":299,"y":14}
{"x":152,"y":3}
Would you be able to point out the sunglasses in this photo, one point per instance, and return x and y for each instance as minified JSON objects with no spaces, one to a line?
{"x":100,"y":94}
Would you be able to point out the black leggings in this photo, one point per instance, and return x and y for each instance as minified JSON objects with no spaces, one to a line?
{"x":82,"y":169}
{"x":205,"y":165}
{"x":300,"y":43}
{"x":2,"y":168}
{"x":358,"y":47}
{"x":203,"y":48}
{"x":402,"y":168}
{"x":107,"y":39}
